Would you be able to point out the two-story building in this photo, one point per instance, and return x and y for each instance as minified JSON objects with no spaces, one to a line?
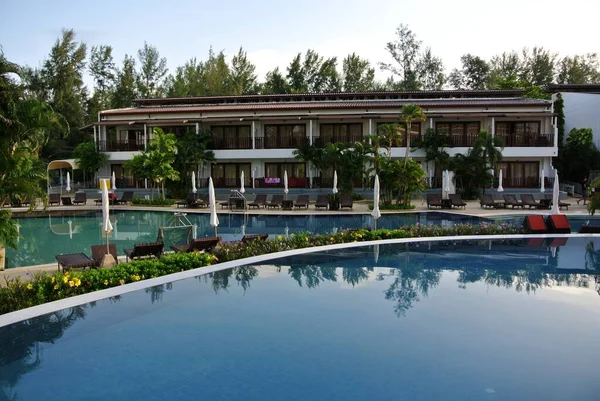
{"x":257,"y":134}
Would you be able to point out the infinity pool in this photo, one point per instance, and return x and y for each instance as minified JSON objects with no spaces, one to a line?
{"x":516,"y":320}
{"x":45,"y":237}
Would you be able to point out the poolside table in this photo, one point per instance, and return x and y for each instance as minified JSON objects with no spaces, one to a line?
{"x":74,"y":260}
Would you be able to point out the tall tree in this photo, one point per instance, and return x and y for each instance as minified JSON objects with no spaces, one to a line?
{"x":538,"y":66}
{"x":430,"y":71}
{"x":243,"y":74}
{"x":187,"y":81}
{"x":328,"y":79}
{"x":295,"y":76}
{"x":62,"y":74}
{"x":579,"y":69}
{"x":409,"y":114}
{"x":275,"y":82}
{"x":357,"y":74}
{"x":405,"y":52}
{"x":153,"y":69}
{"x":506,"y":71}
{"x":126,"y":84}
{"x":217,"y":75}
{"x":102,"y":69}
{"x":313,"y":74}
{"x":474,"y":73}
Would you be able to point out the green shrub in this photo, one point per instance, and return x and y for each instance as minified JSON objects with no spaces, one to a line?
{"x":153,"y":202}
{"x":393,"y":206}
{"x":43,"y":288}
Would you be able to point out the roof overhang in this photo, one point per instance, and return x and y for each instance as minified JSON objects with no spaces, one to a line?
{"x":66,"y":163}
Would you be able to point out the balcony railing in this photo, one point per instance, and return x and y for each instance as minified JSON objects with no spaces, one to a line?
{"x":279,"y":142}
{"x":322,"y":140}
{"x":232,"y":143}
{"x":527,"y":140}
{"x":414,"y":139}
{"x":508,"y":182}
{"x":119,"y":146}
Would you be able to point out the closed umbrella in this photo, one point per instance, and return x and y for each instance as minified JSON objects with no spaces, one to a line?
{"x":68,"y":188}
{"x":447,"y":188}
{"x":500,"y":188}
{"x":70,"y":223}
{"x":108,"y":260}
{"x":542,"y":188}
{"x":555,"y":194}
{"x":194,"y":190}
{"x":214,"y":219}
{"x":376,"y":213}
{"x":430,"y":178}
{"x":334,"y":190}
{"x":376,"y":253}
{"x":113,"y":182}
{"x":242,"y":189}
{"x":285,"y":183}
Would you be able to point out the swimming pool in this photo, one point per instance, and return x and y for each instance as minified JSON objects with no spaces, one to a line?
{"x":45,"y":237}
{"x":516,"y":320}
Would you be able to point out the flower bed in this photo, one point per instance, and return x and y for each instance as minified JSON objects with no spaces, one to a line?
{"x":51,"y":287}
{"x":153,"y":202}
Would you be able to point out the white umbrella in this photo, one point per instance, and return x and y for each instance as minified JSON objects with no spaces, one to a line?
{"x":376,"y":253}
{"x":447,"y":188}
{"x":108,"y":260}
{"x":113,"y":182}
{"x":285,"y":183}
{"x":286,"y":232}
{"x":376,"y":213}
{"x":555,"y":194}
{"x":542,"y":188}
{"x":242,"y":189}
{"x":500,"y":188}
{"x":70,"y":223}
{"x":334,"y":190}
{"x":194,"y":190}
{"x":68,"y":188}
{"x":430,"y":178}
{"x":214,"y":219}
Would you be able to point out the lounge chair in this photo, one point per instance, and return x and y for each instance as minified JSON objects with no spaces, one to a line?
{"x":487,"y":201}
{"x":125,"y":198}
{"x":73,"y":260}
{"x":434,"y":200}
{"x":260,"y":200}
{"x":144,"y":250}
{"x":528,"y":201}
{"x":535,"y":224}
{"x":98,"y":252}
{"x":66,"y":201}
{"x":5,"y":202}
{"x":456,"y":201}
{"x":512,"y":201}
{"x":54,"y":199}
{"x":346,"y":201}
{"x":276,"y":201}
{"x":322,"y":201}
{"x":200,"y":244}
{"x":202,"y":201}
{"x":302,"y":201}
{"x":80,"y":198}
{"x":254,"y":237}
{"x":558,"y":223}
{"x":190,"y":201}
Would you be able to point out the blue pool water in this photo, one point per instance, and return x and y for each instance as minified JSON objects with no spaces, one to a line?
{"x":453,"y":321}
{"x":45,"y":237}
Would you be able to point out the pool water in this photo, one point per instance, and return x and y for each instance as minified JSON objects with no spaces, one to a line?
{"x":45,"y":237}
{"x":426,"y":322}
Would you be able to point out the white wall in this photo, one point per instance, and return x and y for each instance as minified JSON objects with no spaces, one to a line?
{"x":582,"y":110}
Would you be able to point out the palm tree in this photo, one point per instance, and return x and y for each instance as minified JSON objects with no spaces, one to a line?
{"x":193,"y":151}
{"x":410,"y":113}
{"x":491,"y":148}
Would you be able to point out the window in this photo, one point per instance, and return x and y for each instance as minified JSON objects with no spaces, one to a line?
{"x":415,"y":130}
{"x":518,"y":174}
{"x":276,"y":170}
{"x":348,"y":133}
{"x":227,"y":175}
{"x":284,"y":136}
{"x":520,"y":133}
{"x":231,"y":137}
{"x":461,"y":134}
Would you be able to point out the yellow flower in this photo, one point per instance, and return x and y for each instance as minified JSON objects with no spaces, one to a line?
{"x":122,"y":282}
{"x":71,"y":283}
{"x":65,"y":279}
{"x":56,"y":287}
{"x":105,"y":282}
{"x":29,"y":286}
{"x":77,"y":282}
{"x":67,"y":275}
{"x":53,"y":279}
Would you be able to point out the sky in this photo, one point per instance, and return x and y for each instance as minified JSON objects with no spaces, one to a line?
{"x":273,"y":32}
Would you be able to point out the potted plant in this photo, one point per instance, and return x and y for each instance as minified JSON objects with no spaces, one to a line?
{"x":334,"y":202}
{"x":8,"y":235}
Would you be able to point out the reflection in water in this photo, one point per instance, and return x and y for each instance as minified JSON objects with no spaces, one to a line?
{"x":409,"y":273}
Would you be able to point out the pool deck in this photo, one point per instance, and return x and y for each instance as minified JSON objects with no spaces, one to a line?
{"x":360,"y":207}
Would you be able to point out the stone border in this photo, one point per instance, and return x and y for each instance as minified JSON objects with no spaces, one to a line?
{"x":38,"y":310}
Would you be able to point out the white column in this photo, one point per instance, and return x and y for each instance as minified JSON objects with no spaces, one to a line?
{"x":95,"y":140}
{"x":253,"y":135}
{"x":197,"y":128}
{"x":310,"y":132}
{"x":370,"y":129}
{"x":146,"y":142}
{"x":431,"y":122}
{"x":493,"y":126}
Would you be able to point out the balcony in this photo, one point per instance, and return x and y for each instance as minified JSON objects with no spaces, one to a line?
{"x":414,"y":138}
{"x":323,"y":140}
{"x":527,"y":140}
{"x":292,"y":142}
{"x":232,"y":143}
{"x":119,"y":146}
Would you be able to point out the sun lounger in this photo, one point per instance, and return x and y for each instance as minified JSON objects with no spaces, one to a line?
{"x":54,"y":199}
{"x":145,"y":250}
{"x":202,"y":201}
{"x":80,"y":198}
{"x":487,"y":201}
{"x":74,"y":260}
{"x":346,"y":201}
{"x":322,"y":201}
{"x":98,"y":252}
{"x":125,"y":198}
{"x":302,"y":201}
{"x":200,"y":244}
{"x":434,"y":200}
{"x":5,"y":202}
{"x":558,"y":223}
{"x":512,"y":201}
{"x":528,"y":201}
{"x":260,"y":200}
{"x":254,"y":237}
{"x":66,"y":201}
{"x":456,"y":201}
{"x":276,"y":201}
{"x":535,"y":224}
{"x":190,"y":201}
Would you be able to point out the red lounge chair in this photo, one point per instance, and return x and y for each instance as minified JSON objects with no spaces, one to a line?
{"x":558,"y":223}
{"x":535,"y":242}
{"x":535,"y":224}
{"x":556,"y":242}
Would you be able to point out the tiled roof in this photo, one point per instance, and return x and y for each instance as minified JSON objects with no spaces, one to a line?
{"x":339,"y":104}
